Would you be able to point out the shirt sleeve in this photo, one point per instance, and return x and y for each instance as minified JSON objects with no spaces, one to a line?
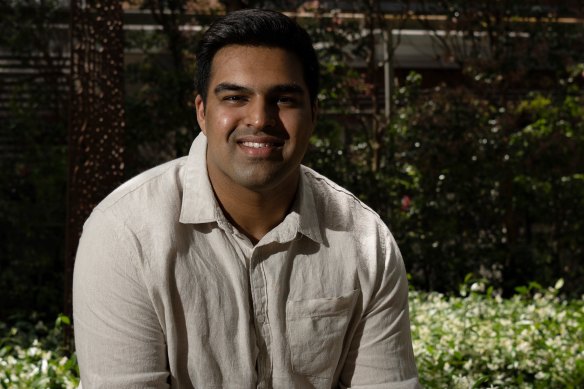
{"x":118,"y":337}
{"x":381,"y":354}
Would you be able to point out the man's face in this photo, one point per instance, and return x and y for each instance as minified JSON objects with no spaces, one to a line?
{"x":257,"y":118}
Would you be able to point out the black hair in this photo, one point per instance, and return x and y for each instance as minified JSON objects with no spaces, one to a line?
{"x":256,"y":27}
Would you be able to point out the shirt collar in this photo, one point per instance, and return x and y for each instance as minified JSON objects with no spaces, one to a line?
{"x":199,"y":204}
{"x":305,"y":209}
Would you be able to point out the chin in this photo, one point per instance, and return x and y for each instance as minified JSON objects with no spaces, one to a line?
{"x":259,"y":185}
{"x":262,"y":184}
{"x":262,"y":180}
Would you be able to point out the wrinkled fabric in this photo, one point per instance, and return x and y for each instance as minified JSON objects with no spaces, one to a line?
{"x":167,"y":293}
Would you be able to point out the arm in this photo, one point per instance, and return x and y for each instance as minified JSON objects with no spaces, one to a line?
{"x":381,"y":355}
{"x":118,"y":338}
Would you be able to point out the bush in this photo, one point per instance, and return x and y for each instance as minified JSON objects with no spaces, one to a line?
{"x":533,"y":340}
{"x":33,"y":356}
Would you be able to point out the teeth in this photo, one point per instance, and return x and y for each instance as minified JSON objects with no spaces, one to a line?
{"x":256,"y":145}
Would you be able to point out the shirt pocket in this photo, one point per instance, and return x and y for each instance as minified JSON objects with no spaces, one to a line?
{"x":316,"y":329}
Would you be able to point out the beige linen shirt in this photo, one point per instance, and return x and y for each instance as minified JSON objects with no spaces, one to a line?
{"x":167,"y":293}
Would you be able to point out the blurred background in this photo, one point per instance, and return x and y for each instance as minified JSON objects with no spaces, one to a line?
{"x":459,"y":122}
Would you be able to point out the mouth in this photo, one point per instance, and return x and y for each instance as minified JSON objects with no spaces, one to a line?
{"x":260,"y":146}
{"x":260,"y":141}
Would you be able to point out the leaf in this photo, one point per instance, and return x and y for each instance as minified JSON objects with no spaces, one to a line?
{"x":535,"y":285}
{"x":479,"y":382}
{"x":522,"y":290}
{"x":63,"y":320}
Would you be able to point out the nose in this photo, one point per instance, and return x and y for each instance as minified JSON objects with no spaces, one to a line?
{"x":261,"y":114}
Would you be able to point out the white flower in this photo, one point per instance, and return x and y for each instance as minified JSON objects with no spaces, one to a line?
{"x":540,"y":375}
{"x":477,"y":287}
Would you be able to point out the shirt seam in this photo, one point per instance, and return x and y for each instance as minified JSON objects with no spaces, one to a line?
{"x":178,"y":162}
{"x":347,"y":193}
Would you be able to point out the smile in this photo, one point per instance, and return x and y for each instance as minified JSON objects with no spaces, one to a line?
{"x":261,"y":146}
{"x":256,"y":145}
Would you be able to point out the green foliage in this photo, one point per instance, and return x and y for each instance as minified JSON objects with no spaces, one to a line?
{"x":533,"y":340}
{"x":494,"y":188}
{"x":31,"y":356}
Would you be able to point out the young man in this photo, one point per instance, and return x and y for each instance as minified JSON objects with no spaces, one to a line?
{"x":236,"y":267}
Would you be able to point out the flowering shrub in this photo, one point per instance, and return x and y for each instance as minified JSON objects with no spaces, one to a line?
{"x":532,"y":340}
{"x":32,"y":356}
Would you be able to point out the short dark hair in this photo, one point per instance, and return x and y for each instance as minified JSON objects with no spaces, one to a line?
{"x":256,"y":27}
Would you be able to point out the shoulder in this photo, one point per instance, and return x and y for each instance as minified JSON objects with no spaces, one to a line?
{"x":152,"y":183}
{"x":152,"y":197}
{"x":337,"y":205}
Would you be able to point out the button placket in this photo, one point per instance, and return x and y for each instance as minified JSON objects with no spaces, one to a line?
{"x":260,"y":303}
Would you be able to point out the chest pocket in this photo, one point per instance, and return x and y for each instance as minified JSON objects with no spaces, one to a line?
{"x":316,"y":329}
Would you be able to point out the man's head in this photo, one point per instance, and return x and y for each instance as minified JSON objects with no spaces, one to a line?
{"x":256,"y":103}
{"x":262,"y":28}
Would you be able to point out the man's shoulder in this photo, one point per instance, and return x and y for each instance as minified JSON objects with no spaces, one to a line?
{"x":157,"y":188}
{"x":335,"y":201}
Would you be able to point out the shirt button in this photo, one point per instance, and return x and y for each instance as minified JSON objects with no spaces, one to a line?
{"x":261,"y":319}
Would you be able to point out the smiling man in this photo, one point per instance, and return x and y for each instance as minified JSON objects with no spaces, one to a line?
{"x":237,"y":267}
{"x":257,"y":116}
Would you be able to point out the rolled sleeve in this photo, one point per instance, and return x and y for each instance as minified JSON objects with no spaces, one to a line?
{"x":118,"y":337}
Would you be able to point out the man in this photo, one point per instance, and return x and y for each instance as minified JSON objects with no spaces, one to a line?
{"x":236,"y":267}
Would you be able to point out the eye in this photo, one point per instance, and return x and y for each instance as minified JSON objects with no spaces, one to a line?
{"x":234,"y":98}
{"x":287,"y":100}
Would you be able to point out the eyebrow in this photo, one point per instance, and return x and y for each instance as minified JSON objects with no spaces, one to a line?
{"x":229,"y":87}
{"x":280,"y":88}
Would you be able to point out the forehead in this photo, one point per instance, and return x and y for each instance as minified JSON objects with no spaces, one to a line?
{"x":255,"y":66}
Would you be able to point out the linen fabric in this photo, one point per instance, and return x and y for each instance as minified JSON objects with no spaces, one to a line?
{"x":167,"y":293}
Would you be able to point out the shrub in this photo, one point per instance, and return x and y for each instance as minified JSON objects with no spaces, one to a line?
{"x":533,"y":340}
{"x":32,"y":356}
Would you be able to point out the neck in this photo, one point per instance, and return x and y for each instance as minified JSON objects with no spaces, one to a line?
{"x":255,"y":213}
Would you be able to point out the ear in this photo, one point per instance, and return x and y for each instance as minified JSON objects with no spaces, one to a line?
{"x":200,"y":107}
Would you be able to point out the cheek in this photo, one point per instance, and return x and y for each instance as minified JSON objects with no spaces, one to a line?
{"x":224,"y":121}
{"x":218,"y":119}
